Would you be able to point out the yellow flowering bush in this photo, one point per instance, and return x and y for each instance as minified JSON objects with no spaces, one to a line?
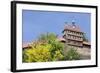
{"x":45,"y":49}
{"x":40,"y":53}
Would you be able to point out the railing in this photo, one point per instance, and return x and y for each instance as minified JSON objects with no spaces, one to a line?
{"x":76,"y":39}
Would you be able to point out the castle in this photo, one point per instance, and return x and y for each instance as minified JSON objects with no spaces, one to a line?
{"x":74,"y":37}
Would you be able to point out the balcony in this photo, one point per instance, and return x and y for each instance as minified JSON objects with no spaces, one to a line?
{"x":74,"y":38}
{"x":75,"y":34}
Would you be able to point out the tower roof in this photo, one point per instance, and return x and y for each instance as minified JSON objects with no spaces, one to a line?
{"x":72,"y":27}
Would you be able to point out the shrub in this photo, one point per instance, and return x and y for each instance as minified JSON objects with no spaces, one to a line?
{"x":57,"y":56}
{"x":40,"y":53}
{"x":46,"y":48}
{"x":56,"y":46}
{"x":72,"y":54}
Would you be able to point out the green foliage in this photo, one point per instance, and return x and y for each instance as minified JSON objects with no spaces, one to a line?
{"x":72,"y":54}
{"x":57,"y":56}
{"x":47,"y":48}
{"x":84,"y":37}
{"x":43,"y":50}
{"x":47,"y":37}
{"x":56,"y":46}
{"x":24,"y":56}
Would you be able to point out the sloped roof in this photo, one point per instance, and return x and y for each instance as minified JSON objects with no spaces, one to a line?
{"x":72,"y":27}
{"x":86,"y":43}
{"x":25,"y":45}
{"x":61,"y":39}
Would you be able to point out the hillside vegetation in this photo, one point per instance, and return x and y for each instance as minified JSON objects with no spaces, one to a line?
{"x":46,"y":48}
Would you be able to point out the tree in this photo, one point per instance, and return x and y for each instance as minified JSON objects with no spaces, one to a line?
{"x":47,"y":37}
{"x":84,"y":37}
{"x":56,"y":46}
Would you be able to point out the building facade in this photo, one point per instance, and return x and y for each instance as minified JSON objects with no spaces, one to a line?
{"x":74,"y":36}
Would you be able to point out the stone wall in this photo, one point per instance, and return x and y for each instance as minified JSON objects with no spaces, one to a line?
{"x":84,"y":52}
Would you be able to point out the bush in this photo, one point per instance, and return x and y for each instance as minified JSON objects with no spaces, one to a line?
{"x":56,"y":46}
{"x":45,"y":49}
{"x":72,"y":54}
{"x":39,"y":53}
{"x":57,"y":56}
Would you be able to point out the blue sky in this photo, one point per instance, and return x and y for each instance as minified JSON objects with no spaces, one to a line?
{"x":38,"y":22}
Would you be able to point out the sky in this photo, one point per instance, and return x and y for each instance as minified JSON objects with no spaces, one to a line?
{"x":36,"y":22}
